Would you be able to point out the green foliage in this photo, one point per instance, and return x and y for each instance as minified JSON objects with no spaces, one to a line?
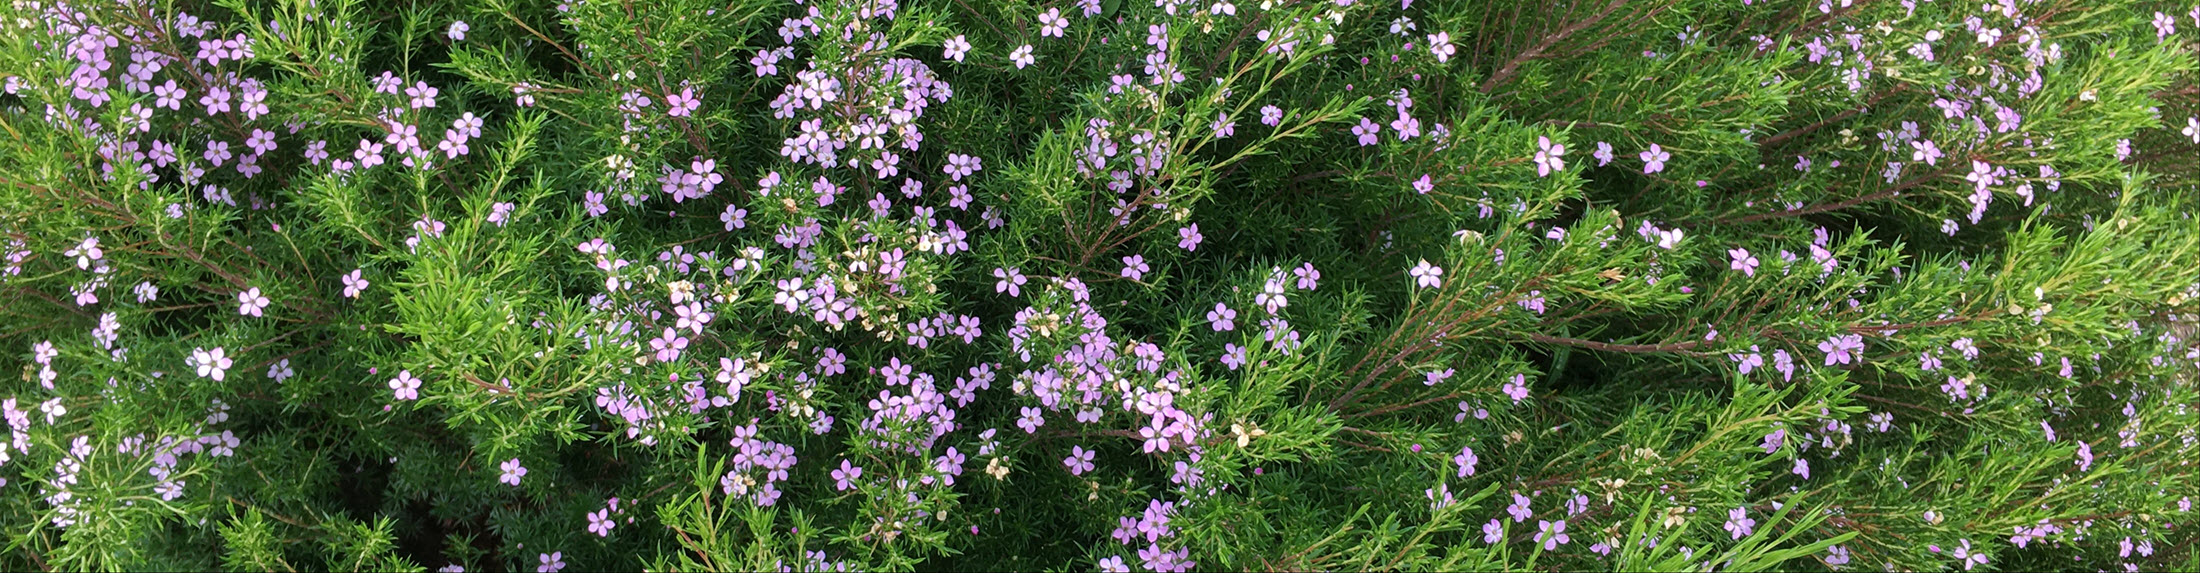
{"x":1063,"y":285}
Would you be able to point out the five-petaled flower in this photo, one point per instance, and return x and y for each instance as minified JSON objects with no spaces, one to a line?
{"x":211,"y":363}
{"x":251,"y":302}
{"x":1426,"y":275}
{"x":1742,"y":261}
{"x":405,"y":386}
{"x":1653,"y":160}
{"x":512,"y":471}
{"x":1548,"y":156}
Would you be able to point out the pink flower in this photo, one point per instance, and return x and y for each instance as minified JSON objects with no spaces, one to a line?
{"x":1548,"y":156}
{"x":250,"y":302}
{"x":1079,"y":460}
{"x":1189,"y":237}
{"x":1654,"y":160}
{"x":1743,"y":261}
{"x":1134,"y":267}
{"x":1220,"y":318}
{"x":512,"y":472}
{"x":405,"y":386}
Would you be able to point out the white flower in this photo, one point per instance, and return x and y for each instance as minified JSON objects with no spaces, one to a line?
{"x":210,"y":363}
{"x":1022,"y":56}
{"x":251,"y":302}
{"x":1426,"y":275}
{"x":956,"y":47}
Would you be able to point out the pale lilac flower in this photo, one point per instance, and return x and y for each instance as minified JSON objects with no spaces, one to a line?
{"x":512,"y":472}
{"x":1440,"y":44}
{"x":1548,"y":156}
{"x":1603,"y":154}
{"x":552,"y":562}
{"x":1189,"y":237}
{"x":1012,"y":281}
{"x":1802,"y":468}
{"x":1466,"y":461}
{"x":1552,"y":534}
{"x":458,"y":30}
{"x":1368,"y":132}
{"x":1837,"y":556}
{"x":1842,"y":349}
{"x":1424,"y":185}
{"x":1437,"y":377}
{"x":1743,"y":261}
{"x":1653,"y":160}
{"x":1924,"y":150}
{"x":683,"y":104}
{"x":211,"y":363}
{"x":600,"y":522}
{"x":250,"y":302}
{"x":668,"y":345}
{"x":1134,"y":267}
{"x":1519,"y":509}
{"x":1021,"y":56}
{"x":1517,"y":389}
{"x":1493,"y":532}
{"x":1739,"y":523}
{"x":281,"y":371}
{"x":844,"y":478}
{"x":405,"y":386}
{"x":1969,"y":558}
{"x":353,"y":285}
{"x":1220,"y":318}
{"x":1426,"y":275}
{"x":1271,"y":115}
{"x":1079,"y":460}
{"x":956,"y":47}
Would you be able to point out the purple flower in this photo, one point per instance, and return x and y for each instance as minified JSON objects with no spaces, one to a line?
{"x":1802,"y":468}
{"x":1519,"y":509}
{"x":512,"y":471}
{"x":405,"y":386}
{"x":1114,"y":564}
{"x":1551,"y":534}
{"x":1842,"y":349}
{"x":683,"y":104}
{"x":1774,"y":440}
{"x":1189,"y":237}
{"x":1466,"y":461}
{"x":353,"y":285}
{"x":1368,"y":131}
{"x":668,"y":345}
{"x":1030,"y":421}
{"x":600,"y":522}
{"x":1271,"y":115}
{"x":552,"y":562}
{"x":1739,"y":523}
{"x":1424,"y":185}
{"x":1134,"y":267}
{"x":1837,"y":556}
{"x":1220,"y":318}
{"x":1517,"y":388}
{"x":1012,"y":280}
{"x":1493,"y":532}
{"x":847,"y":473}
{"x":250,"y":302}
{"x":458,"y":30}
{"x":1021,"y":56}
{"x":1439,"y":376}
{"x":1743,"y":261}
{"x":1969,"y":559}
{"x":1233,"y":355}
{"x":1426,"y":275}
{"x":1653,"y":160}
{"x":1440,"y":44}
{"x":1079,"y":460}
{"x":1924,"y":150}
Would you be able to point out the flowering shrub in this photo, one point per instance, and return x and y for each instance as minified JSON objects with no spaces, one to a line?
{"x":1099,"y":284}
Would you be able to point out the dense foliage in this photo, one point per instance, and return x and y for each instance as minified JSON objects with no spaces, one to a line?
{"x":1099,"y":284}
